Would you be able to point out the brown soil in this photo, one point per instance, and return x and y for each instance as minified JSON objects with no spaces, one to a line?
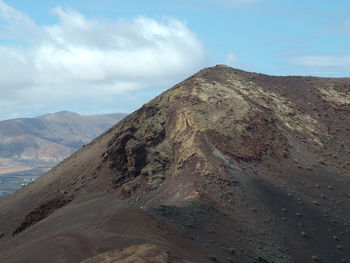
{"x":226,"y":166}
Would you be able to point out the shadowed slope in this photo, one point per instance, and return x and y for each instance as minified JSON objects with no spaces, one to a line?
{"x":244,"y":167}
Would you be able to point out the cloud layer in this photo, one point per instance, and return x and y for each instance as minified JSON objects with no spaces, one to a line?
{"x":90,"y":58}
{"x":322,"y":61}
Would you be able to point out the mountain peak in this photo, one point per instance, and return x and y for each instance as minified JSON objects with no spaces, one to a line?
{"x":224,"y":161}
{"x":66,"y":113}
{"x":58,"y":114}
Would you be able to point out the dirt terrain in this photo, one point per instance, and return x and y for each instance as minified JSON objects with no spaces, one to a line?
{"x":226,"y":166}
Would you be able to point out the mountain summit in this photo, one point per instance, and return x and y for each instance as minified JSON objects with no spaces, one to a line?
{"x":226,"y":166}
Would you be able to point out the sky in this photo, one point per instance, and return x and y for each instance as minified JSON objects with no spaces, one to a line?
{"x":109,"y":56}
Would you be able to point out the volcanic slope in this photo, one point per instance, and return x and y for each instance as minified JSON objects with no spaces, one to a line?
{"x":226,"y":166}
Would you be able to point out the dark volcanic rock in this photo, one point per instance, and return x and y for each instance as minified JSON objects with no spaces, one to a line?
{"x":225,"y":166}
{"x":41,"y":212}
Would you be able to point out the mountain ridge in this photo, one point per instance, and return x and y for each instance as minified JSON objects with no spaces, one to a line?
{"x":239,"y":166}
{"x":52,"y":137}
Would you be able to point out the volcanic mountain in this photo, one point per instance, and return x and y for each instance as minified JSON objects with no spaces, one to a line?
{"x":226,"y":166}
{"x":44,"y":141}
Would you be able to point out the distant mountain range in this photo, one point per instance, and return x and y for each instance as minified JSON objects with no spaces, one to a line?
{"x":41,"y":142}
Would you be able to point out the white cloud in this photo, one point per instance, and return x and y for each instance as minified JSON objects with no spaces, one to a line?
{"x":322,"y":61}
{"x":232,"y":59}
{"x":92,"y":58}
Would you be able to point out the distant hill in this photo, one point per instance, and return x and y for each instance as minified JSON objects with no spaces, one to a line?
{"x":44,"y":141}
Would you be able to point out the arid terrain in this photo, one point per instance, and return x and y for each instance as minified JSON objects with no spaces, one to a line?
{"x":46,"y":140}
{"x":226,"y":166}
{"x":31,"y":146}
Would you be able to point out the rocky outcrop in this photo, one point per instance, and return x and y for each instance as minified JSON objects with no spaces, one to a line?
{"x":225,"y":166}
{"x":137,"y":254}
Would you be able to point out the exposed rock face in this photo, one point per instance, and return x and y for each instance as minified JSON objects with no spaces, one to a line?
{"x":238,"y":166}
{"x":222,"y":118}
{"x":136,"y":254}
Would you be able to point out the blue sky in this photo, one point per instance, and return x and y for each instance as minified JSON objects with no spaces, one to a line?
{"x":112,"y":56}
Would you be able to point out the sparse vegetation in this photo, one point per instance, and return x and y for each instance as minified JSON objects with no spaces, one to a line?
{"x":231,"y":250}
{"x":321,"y":161}
{"x":268,"y":219}
{"x":300,"y":201}
{"x":186,"y":158}
{"x":315,"y":258}
{"x":315,"y":202}
{"x":213,"y":258}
